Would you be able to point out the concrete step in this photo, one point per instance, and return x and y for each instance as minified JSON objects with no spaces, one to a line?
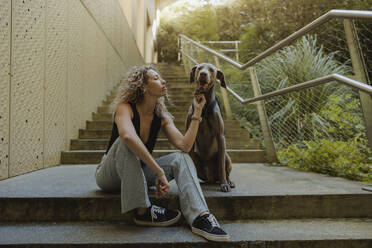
{"x":179,"y":101}
{"x":179,"y":115}
{"x":109,"y":117}
{"x":172,"y":88}
{"x":94,"y":156}
{"x":173,"y":73}
{"x":161,"y":144}
{"x":314,"y":233}
{"x":173,"y":102}
{"x":171,"y":108}
{"x":107,"y":124}
{"x":183,"y":85}
{"x":106,"y":134}
{"x":176,"y":77}
{"x":179,"y":93}
{"x":262,"y":193}
{"x":185,"y":101}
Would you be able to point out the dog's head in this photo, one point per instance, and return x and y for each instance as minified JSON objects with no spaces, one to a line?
{"x":205,"y":75}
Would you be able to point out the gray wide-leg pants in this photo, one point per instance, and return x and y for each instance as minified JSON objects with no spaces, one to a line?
{"x":120,"y":169}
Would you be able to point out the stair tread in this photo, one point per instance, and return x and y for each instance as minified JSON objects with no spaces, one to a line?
{"x":155,"y":151}
{"x":345,"y":230}
{"x":252,"y":180}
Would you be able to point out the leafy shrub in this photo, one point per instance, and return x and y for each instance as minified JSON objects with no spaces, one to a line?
{"x":347,"y":159}
{"x":299,"y":111}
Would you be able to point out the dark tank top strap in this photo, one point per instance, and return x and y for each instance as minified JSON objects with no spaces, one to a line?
{"x":154,"y":130}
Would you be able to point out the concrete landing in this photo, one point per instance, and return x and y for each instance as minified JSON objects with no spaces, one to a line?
{"x":251,"y":180}
{"x":314,"y":233}
{"x":70,"y":193}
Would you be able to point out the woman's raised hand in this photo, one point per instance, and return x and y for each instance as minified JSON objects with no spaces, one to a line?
{"x":199,"y":101}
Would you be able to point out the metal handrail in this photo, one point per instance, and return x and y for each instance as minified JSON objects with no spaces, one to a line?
{"x":353,"y":14}
{"x":323,"y":80}
{"x":344,"y":14}
{"x":333,"y":77}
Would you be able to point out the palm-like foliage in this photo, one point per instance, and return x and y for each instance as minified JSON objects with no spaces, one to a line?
{"x":297,"y":116}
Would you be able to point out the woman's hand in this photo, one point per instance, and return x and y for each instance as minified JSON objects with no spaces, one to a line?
{"x":162,"y":186}
{"x":199,"y":101}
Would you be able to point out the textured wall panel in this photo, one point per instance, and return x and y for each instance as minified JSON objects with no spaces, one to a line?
{"x":110,"y":55}
{"x":5,"y":23}
{"x":64,"y":60}
{"x":56,"y":80}
{"x":101,"y":65}
{"x":118,"y":21}
{"x":98,"y":8}
{"x":97,"y":85}
{"x":110,"y":21}
{"x":89,"y":64}
{"x":75,"y":104}
{"x":26,"y":130}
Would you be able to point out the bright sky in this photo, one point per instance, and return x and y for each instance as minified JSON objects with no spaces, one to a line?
{"x":200,"y":2}
{"x":190,"y":3}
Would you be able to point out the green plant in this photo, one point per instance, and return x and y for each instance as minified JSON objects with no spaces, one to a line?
{"x":297,"y":115}
{"x":347,"y":159}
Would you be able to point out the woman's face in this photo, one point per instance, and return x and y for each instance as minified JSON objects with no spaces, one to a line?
{"x":156,"y":85}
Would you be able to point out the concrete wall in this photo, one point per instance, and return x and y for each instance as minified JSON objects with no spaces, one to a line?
{"x":143,"y":18}
{"x":58,"y":61}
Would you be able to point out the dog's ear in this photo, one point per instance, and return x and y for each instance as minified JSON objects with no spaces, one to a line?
{"x":221,"y":77}
{"x":192,"y":74}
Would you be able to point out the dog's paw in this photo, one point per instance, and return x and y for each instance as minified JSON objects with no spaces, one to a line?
{"x":225,"y":187}
{"x":232,"y":184}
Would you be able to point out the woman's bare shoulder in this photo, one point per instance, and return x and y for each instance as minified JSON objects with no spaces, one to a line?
{"x":123,"y":109}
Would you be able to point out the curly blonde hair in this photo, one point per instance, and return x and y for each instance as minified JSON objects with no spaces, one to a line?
{"x":131,"y":90}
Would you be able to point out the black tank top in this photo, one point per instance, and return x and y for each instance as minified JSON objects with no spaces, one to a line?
{"x":154,"y":130}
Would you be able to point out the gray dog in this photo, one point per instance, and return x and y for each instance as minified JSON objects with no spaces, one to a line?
{"x":211,"y":160}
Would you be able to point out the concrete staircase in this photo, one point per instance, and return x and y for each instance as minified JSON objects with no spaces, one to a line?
{"x":93,"y":140}
{"x":272,"y":207}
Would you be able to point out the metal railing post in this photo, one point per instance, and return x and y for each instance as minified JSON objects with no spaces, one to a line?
{"x":225,"y":98}
{"x":360,"y":72}
{"x":265,"y":125}
{"x":189,"y":65}
{"x":179,"y":49}
{"x":200,"y":59}
{"x":237,"y":51}
{"x":184,"y":59}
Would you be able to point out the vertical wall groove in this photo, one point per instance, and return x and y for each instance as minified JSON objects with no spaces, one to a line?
{"x":44,"y":80}
{"x":67,"y":146}
{"x":10,"y":80}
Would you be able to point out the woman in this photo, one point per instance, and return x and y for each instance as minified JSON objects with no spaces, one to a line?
{"x":129,"y":166}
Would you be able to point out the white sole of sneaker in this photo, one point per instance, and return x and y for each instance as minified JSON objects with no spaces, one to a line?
{"x":209,"y":236}
{"x":161,"y":224}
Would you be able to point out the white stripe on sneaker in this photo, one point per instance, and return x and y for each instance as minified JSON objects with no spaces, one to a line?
{"x":209,"y":236}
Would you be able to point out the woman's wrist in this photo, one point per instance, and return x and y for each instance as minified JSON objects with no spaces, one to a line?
{"x":197,"y":112}
{"x":160,"y":174}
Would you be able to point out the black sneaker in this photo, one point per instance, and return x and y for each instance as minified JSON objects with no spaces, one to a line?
{"x":208,"y":227}
{"x":157,"y":216}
